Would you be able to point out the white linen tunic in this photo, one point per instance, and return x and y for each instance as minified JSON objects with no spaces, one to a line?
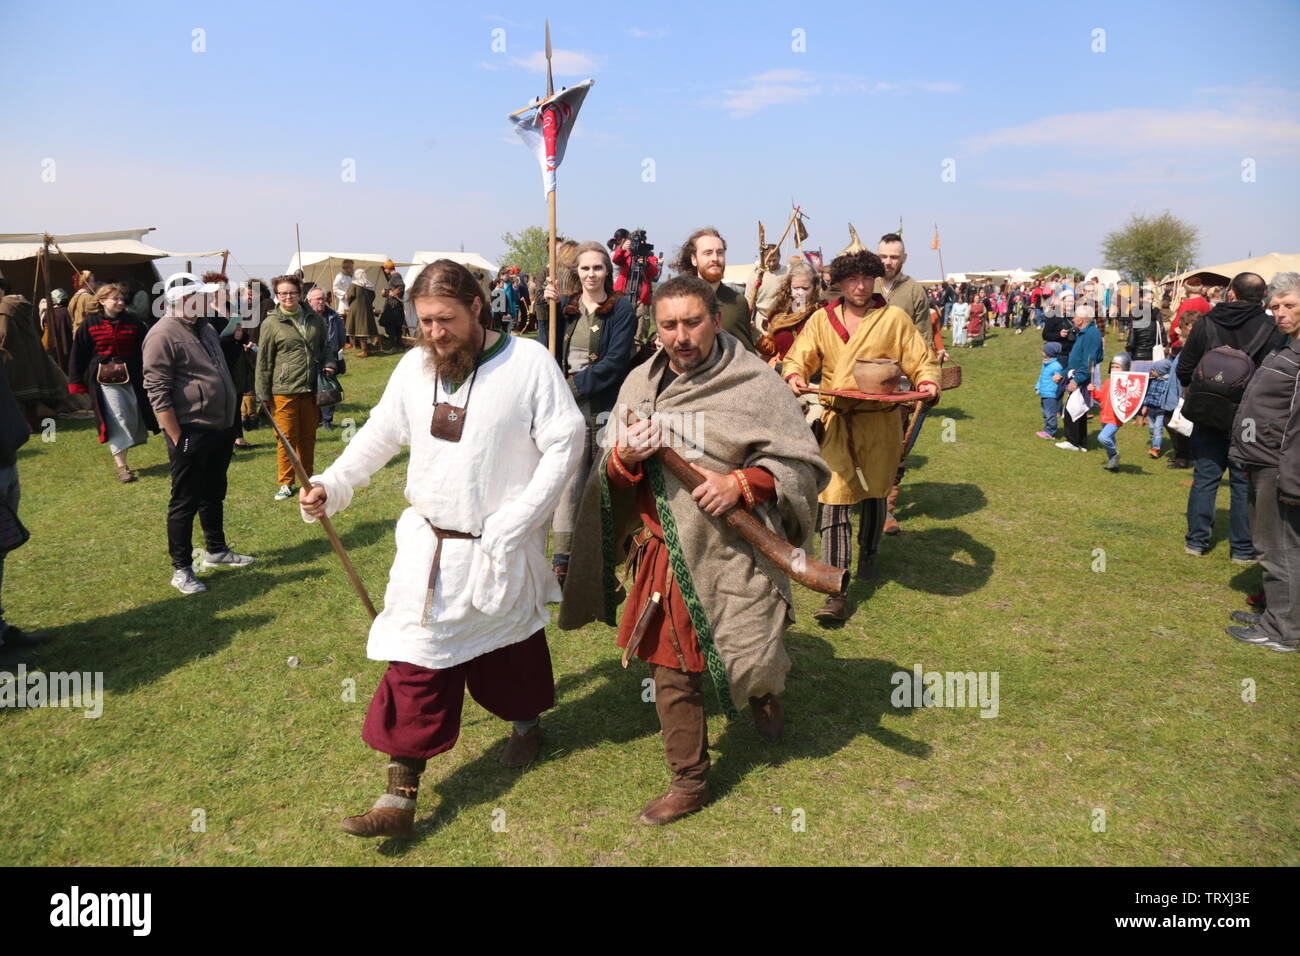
{"x":522,"y":441}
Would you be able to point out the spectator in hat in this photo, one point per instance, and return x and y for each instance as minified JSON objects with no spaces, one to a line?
{"x":195,"y":400}
{"x":1051,"y":383}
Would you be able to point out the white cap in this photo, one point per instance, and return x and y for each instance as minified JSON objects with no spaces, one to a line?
{"x":188,"y":285}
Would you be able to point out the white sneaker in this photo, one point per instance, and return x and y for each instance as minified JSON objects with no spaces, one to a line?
{"x":183,"y":580}
{"x":1068,"y":446}
{"x":225,"y":559}
{"x":285,"y":493}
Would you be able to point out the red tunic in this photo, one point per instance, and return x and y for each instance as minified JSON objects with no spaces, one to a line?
{"x":653,"y":567}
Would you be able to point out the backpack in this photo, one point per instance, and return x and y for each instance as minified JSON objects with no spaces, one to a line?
{"x":1217,"y":387}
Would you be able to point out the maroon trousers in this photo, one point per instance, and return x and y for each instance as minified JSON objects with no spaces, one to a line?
{"x":415,"y":712}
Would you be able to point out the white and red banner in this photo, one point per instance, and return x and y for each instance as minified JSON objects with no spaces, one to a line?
{"x":1127,"y":389}
{"x":545,"y":126}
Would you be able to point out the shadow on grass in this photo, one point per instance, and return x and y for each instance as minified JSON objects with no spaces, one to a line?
{"x":361,"y":536}
{"x":929,"y":563}
{"x":939,"y":500}
{"x":938,"y":414}
{"x":830,"y":702}
{"x":147,"y":642}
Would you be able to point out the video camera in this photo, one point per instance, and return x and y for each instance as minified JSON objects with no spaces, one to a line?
{"x":640,"y":249}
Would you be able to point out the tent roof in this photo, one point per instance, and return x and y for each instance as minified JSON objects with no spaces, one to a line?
{"x":1104,"y":276}
{"x":124,"y":245}
{"x":739,"y":273}
{"x":362,"y":259}
{"x":470,"y":259}
{"x":1266,"y":266}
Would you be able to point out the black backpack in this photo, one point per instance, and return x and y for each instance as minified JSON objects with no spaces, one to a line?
{"x":1217,"y":387}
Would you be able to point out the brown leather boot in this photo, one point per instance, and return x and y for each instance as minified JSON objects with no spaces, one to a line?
{"x":769,"y":717}
{"x":891,"y":523}
{"x":672,"y":806}
{"x":381,"y":821}
{"x":835,"y":609}
{"x":521,"y":750}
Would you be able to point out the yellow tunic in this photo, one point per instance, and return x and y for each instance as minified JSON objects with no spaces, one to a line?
{"x":877,"y":428}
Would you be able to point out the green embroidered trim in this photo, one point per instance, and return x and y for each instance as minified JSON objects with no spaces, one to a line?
{"x":608,"y":576}
{"x":700,"y":620}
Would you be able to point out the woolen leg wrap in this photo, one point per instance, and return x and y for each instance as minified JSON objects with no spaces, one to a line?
{"x":404,"y":778}
{"x":836,"y":535}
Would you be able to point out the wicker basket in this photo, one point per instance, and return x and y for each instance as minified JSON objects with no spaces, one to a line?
{"x":949,"y":377}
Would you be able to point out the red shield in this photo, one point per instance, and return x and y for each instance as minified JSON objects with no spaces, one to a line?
{"x":1127,"y":389}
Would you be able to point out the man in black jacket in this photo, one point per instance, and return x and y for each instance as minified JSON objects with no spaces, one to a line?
{"x":1264,"y":441}
{"x":1058,"y":326}
{"x":1241,"y":323}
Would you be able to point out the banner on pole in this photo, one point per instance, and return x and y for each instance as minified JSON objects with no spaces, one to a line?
{"x":545,"y":126}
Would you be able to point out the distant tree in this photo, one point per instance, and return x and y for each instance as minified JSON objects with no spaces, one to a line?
{"x":528,"y":250}
{"x":1047,"y":270}
{"x":1151,"y":246}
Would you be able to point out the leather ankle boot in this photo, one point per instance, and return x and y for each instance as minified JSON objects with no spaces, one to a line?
{"x":672,"y":806}
{"x":381,"y":821}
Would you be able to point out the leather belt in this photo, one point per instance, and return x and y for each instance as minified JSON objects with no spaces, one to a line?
{"x":440,"y":534}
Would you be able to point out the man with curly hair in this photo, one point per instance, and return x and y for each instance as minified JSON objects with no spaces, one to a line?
{"x":862,"y":440}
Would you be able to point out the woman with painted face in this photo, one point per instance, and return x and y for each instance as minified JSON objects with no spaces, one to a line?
{"x":596,"y":340}
{"x":797,"y":299}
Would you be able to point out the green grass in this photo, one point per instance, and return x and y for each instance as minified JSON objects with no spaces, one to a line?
{"x":1119,"y":690}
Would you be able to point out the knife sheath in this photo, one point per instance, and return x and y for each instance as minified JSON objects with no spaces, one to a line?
{"x":646,"y":620}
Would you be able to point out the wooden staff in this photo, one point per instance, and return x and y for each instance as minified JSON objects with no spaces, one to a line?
{"x":801,"y":567}
{"x":550,"y":209}
{"x":341,"y":551}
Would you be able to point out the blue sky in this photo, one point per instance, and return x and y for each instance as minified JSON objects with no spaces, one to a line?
{"x":852,"y":109}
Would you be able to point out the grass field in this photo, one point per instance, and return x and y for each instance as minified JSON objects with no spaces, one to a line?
{"x":1119,"y":693}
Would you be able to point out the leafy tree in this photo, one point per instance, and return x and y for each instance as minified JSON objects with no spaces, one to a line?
{"x":528,"y":250}
{"x":1151,"y":246}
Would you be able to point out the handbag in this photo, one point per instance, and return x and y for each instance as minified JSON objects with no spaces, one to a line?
{"x":328,"y":390}
{"x":1158,"y":350}
{"x":112,"y":373}
{"x":12,"y":532}
{"x":1177,"y":422}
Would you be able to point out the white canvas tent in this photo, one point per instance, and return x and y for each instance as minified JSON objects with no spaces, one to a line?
{"x":111,"y":256}
{"x":483,"y":270}
{"x":320,"y":268}
{"x":1266,"y":266}
{"x":1104,"y":276}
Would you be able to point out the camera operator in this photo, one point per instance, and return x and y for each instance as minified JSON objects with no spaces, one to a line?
{"x":634,"y":259}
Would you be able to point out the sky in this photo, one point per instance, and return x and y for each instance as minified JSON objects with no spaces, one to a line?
{"x":1025,"y":133}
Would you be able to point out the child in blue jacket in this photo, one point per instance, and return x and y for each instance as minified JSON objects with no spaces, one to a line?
{"x":1051,"y":382}
{"x":1155,"y":400}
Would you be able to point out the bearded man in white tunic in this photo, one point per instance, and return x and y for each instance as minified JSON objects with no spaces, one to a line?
{"x":495,"y":437}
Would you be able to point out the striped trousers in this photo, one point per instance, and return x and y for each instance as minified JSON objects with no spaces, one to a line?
{"x":836,"y":531}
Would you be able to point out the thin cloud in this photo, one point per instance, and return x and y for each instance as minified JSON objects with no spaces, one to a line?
{"x":497,"y":18}
{"x":563,"y":62}
{"x":1140,"y":130}
{"x":774,"y":88}
{"x":640,"y":34}
{"x":939,"y":86}
{"x":486,"y":65}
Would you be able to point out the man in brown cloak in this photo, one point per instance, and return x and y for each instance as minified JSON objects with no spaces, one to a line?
{"x":702,"y":597}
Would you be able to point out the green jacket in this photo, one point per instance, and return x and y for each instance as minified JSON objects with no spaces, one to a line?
{"x":287,"y":362}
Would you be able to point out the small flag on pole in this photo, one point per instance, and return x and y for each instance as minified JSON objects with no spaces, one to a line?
{"x":934,"y":243}
{"x":545,"y":126}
